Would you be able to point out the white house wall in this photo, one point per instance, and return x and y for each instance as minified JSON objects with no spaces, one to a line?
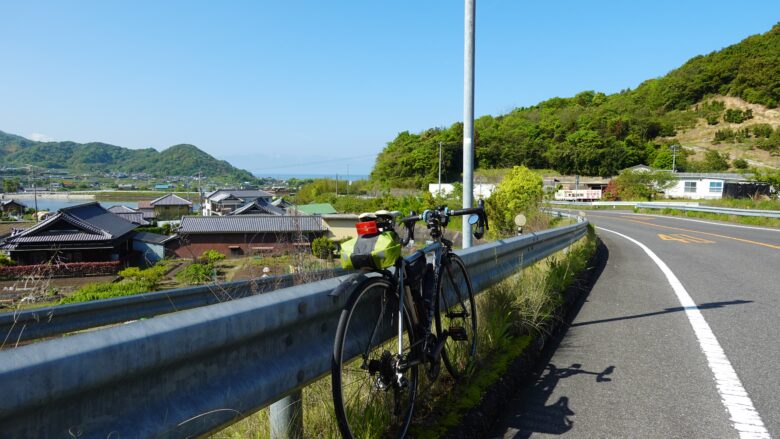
{"x":702,"y":189}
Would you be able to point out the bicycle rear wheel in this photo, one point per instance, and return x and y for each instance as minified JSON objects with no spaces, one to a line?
{"x":370,"y":391}
{"x":456,"y":316}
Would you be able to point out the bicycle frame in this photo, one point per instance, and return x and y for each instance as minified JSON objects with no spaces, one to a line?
{"x":437,"y":249}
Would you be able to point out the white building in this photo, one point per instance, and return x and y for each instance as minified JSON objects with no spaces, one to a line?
{"x":225,"y":201}
{"x":481,"y":190}
{"x":702,"y":186}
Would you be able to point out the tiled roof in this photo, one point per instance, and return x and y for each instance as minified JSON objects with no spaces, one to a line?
{"x":250,"y":224}
{"x":95,"y":215}
{"x":153,"y":238}
{"x":121,"y":209}
{"x":240,"y":193}
{"x":6,"y":202}
{"x":721,"y":176}
{"x":133,"y":217}
{"x":170,"y":200}
{"x":144,"y":204}
{"x":85,"y":222}
{"x":223,"y":196}
{"x":260,"y":205}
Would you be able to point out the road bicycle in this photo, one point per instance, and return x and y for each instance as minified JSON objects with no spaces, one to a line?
{"x":419,"y":315}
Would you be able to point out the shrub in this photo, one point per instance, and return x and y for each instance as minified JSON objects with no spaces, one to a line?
{"x":73,"y":269}
{"x":519,"y":192}
{"x":740,"y":163}
{"x":194,"y":274}
{"x":149,"y":277}
{"x":5,"y":261}
{"x":106,"y":290}
{"x":761,"y":130}
{"x":726,"y":134}
{"x":211,"y":256}
{"x":323,"y":247}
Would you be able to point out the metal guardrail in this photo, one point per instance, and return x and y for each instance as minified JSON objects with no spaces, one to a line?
{"x":622,"y":203}
{"x":719,"y":210}
{"x":196,"y":371}
{"x":56,"y":320}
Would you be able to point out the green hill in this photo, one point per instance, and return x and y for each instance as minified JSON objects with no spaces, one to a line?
{"x":102,"y":157}
{"x":597,"y":134}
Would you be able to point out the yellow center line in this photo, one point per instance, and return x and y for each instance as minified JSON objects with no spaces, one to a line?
{"x":734,"y":238}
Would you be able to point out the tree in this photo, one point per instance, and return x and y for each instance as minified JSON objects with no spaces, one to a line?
{"x":519,"y":192}
{"x":715,"y":161}
{"x":11,"y":185}
{"x":635,"y":185}
{"x":663,"y":159}
{"x":768,"y":176}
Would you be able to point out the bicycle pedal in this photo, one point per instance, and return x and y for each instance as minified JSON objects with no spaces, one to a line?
{"x":457,"y":315}
{"x":458,"y":333}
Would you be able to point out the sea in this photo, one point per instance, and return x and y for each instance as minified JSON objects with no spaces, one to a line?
{"x":342,"y":177}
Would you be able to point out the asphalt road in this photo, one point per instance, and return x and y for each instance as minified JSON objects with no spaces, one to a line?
{"x":638,"y":360}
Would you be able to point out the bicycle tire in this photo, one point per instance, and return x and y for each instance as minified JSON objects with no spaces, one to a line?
{"x":457,"y":355}
{"x":361,"y":405}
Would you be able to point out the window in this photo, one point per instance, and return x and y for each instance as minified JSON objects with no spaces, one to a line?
{"x":690,"y":187}
{"x":716,"y":187}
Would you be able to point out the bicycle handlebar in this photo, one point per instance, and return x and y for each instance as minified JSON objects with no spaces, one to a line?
{"x":444,"y":212}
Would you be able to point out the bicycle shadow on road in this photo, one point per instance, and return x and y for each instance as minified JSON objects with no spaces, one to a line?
{"x":535,"y":416}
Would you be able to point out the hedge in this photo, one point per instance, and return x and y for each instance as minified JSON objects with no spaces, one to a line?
{"x":73,"y":269}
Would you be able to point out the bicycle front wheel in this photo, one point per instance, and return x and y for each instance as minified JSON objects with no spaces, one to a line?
{"x":456,"y":316}
{"x":373,"y":388}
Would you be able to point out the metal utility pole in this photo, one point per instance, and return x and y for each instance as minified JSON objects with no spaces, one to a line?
{"x":674,"y":157}
{"x":468,"y":115}
{"x":35,"y":191}
{"x":440,"y":168}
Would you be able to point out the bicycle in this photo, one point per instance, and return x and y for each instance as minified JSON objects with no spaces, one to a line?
{"x":375,"y":378}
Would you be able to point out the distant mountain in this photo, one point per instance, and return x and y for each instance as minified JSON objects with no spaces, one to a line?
{"x":95,"y":156}
{"x":597,"y":134}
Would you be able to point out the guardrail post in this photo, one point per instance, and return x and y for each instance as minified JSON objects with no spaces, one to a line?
{"x":287,"y":417}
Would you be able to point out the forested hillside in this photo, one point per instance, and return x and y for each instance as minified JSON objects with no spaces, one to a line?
{"x":597,"y":134}
{"x":102,"y":157}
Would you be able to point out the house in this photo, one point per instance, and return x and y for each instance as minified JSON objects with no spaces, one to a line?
{"x":703,"y":186}
{"x":150,"y":247}
{"x":225,"y":201}
{"x":12,"y":208}
{"x":554,"y":183}
{"x":170,"y":207}
{"x":340,"y":225}
{"x":129,"y":214}
{"x":83,"y":233}
{"x":237,"y":235}
{"x":163,"y":187}
{"x":258,"y":207}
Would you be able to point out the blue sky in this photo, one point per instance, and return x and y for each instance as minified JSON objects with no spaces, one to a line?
{"x":316,"y":87}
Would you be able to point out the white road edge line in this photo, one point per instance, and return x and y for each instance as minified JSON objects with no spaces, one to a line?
{"x":744,"y":416}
